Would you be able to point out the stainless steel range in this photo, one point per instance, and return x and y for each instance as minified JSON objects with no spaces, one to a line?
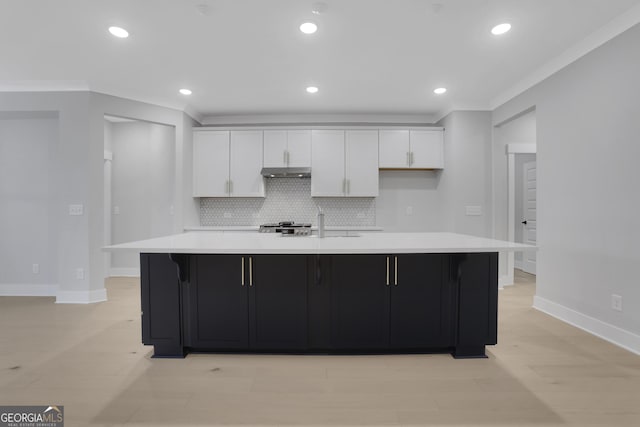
{"x":287,"y":228}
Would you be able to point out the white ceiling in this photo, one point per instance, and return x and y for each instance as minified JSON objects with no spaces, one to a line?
{"x":247,"y":57}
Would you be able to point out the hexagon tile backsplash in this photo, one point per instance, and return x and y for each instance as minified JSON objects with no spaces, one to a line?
{"x":287,"y":199}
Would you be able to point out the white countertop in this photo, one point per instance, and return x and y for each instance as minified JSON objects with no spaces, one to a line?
{"x":227,"y":228}
{"x":274,"y":243}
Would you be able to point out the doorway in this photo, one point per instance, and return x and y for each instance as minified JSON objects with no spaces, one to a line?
{"x":526,"y":210}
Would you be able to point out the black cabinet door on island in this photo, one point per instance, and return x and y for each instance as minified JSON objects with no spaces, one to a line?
{"x":248,"y":302}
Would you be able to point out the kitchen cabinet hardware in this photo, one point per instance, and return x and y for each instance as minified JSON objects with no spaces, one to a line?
{"x":387,"y":271}
{"x":395,"y":270}
{"x":242,"y":281}
{"x":250,"y":271}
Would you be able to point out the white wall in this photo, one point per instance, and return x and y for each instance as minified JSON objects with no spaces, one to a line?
{"x":466,"y":178}
{"x":417,"y":190}
{"x":143,"y":187}
{"x":27,"y":204}
{"x":588,"y":198}
{"x":78,"y":178}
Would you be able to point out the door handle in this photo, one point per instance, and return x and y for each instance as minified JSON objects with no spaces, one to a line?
{"x":242,"y":281}
{"x":524,"y":222}
{"x":387,"y":271}
{"x":395,"y":271}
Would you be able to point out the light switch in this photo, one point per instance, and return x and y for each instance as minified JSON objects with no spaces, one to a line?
{"x":76,"y":209}
{"x":80,"y":273}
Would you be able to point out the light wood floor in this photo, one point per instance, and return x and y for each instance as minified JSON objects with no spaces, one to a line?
{"x":89,"y":359}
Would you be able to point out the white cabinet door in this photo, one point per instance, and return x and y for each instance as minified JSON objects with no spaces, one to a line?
{"x":210,"y":164}
{"x":394,"y":149}
{"x":299,"y":148}
{"x":246,"y":163}
{"x":275,"y":148}
{"x":426,"y":149}
{"x":361,"y":163}
{"x":327,"y":163}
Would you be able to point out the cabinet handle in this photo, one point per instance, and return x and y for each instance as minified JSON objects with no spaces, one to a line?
{"x":344,"y":185}
{"x":226,"y":186}
{"x":411,"y":159}
{"x":348,"y":186}
{"x":230,"y":187}
{"x":387,"y":271}
{"x":242,"y":281}
{"x":395,"y":271}
{"x":288,"y":157}
{"x":250,"y":271}
{"x":284,"y":157}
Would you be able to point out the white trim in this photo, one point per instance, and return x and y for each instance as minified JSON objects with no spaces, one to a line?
{"x":596,"y":39}
{"x":522,"y":148}
{"x":43,"y":86}
{"x":81,"y":297}
{"x":28,"y":289}
{"x":124,"y":272}
{"x":306,"y":119}
{"x":613,"y":334}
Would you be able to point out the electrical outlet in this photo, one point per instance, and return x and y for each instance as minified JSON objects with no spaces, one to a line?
{"x":171,"y":210}
{"x":80,"y":273}
{"x":35,"y":268}
{"x":409,"y":210}
{"x":76,"y":210}
{"x":473,"y":210}
{"x":616,"y":302}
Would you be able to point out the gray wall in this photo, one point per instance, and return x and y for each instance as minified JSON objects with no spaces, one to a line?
{"x":587,"y":137}
{"x":78,"y":170}
{"x":27,"y":204}
{"x":143,"y":186}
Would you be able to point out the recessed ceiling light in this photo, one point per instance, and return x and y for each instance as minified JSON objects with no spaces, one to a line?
{"x":308,"y":28}
{"x":440,"y":90}
{"x":312,"y":89}
{"x":185,"y":91}
{"x":500,"y":29}
{"x":119,"y":32}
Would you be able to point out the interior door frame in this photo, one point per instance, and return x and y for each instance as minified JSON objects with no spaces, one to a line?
{"x":512,"y":150}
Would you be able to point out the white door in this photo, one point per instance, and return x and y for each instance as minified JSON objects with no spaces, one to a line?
{"x":210,"y":164}
{"x":426,"y":149}
{"x":361,"y":163}
{"x":529,"y":222}
{"x":394,"y":149}
{"x":299,"y":148}
{"x":246,"y":164}
{"x":327,"y":163}
{"x":275,"y":148}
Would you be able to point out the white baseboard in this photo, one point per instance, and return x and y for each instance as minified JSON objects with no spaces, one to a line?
{"x":81,"y":297}
{"x":124,"y":272}
{"x":28,"y":289}
{"x":505,"y":280}
{"x":606,"y":331}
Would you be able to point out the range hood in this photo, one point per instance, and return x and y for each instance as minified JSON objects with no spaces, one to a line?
{"x":286,"y":172}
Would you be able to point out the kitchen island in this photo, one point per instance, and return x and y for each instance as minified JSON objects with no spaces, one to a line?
{"x":370,"y":293}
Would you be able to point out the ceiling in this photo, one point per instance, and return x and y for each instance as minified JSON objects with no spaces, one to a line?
{"x":247,"y":57}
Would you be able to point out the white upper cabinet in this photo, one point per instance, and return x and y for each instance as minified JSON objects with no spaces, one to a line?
{"x":227,"y":164}
{"x":415,"y":149}
{"x":327,"y":163}
{"x":426,"y":149}
{"x":361,"y":163}
{"x":245,"y":160}
{"x":284,"y":148}
{"x":211,"y":164}
{"x":344,"y":163}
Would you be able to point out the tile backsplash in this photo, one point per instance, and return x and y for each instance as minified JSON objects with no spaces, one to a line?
{"x":287,"y":199}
